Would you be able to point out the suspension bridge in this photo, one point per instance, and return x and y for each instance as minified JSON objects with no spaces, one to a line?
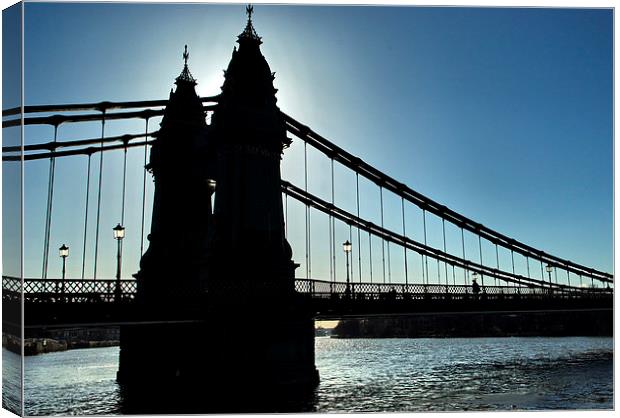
{"x":205,"y":174}
{"x":532,"y":291}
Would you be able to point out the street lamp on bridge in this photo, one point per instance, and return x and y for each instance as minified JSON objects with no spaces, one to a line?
{"x":549,"y":270}
{"x":119,"y":234}
{"x":211,"y":185}
{"x":211,"y":188}
{"x":64,"y":253}
{"x":346,"y":246}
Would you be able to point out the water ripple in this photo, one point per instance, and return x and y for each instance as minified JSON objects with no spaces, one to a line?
{"x":372,"y":375}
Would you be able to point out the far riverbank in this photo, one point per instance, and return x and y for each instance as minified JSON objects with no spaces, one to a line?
{"x":54,"y":340}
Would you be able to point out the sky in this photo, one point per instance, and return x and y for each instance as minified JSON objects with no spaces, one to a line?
{"x":503,"y":115}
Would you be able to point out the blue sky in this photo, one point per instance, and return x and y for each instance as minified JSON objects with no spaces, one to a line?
{"x":504,"y":115}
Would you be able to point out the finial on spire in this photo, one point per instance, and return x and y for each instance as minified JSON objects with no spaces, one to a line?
{"x":185,"y":74}
{"x":185,"y":55}
{"x":249,"y":32}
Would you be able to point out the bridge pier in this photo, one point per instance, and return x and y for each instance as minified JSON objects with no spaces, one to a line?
{"x":232,"y":263}
{"x":224,"y":364}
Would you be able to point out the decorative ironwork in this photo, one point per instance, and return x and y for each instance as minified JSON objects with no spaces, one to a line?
{"x":249,"y":32}
{"x":399,"y":291}
{"x":75,"y":291}
{"x":186,"y":76}
{"x":103,"y":291}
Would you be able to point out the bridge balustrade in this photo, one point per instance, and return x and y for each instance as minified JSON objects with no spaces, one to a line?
{"x":71,"y":291}
{"x":399,"y":291}
{"x":103,"y":291}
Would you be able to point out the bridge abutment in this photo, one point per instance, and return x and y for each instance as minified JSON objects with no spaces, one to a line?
{"x":230,"y":361}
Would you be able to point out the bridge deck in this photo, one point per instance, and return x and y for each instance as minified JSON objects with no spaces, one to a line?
{"x":94,"y":302}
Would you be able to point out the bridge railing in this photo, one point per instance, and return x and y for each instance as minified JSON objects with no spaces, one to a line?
{"x":76,"y":291}
{"x":103,"y":291}
{"x":401,"y":291}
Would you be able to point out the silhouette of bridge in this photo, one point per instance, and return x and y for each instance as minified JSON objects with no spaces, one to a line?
{"x":96,"y":302}
{"x":329,"y":298}
{"x":216,"y":173}
{"x":328,"y":295}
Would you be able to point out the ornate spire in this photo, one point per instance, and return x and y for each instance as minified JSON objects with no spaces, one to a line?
{"x":185,"y":74}
{"x":249,"y":32}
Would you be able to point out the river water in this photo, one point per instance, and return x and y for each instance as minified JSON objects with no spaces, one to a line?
{"x":373,"y":375}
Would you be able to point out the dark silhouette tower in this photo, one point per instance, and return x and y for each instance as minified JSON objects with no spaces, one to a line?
{"x":231,"y":266}
{"x":250,"y":272}
{"x":250,"y":134}
{"x":172,"y":268}
{"x":181,"y":168}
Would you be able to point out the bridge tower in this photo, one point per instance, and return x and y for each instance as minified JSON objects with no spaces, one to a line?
{"x":250,"y":135}
{"x":181,"y":165}
{"x":252,"y":334}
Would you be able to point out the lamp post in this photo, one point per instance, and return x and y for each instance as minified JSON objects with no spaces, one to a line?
{"x":211,"y":188}
{"x":549,"y":270}
{"x":64,"y":253}
{"x":346,"y":246}
{"x":119,"y":234}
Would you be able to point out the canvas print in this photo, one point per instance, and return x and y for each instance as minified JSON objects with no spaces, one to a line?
{"x":251,"y":208}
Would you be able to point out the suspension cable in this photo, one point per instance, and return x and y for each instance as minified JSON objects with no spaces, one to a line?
{"x":389,"y":262}
{"x":465,"y":271}
{"x":402,"y":204}
{"x":351,"y":219}
{"x":443,"y":227}
{"x":86,"y":216}
{"x":79,"y":151}
{"x":370,"y":254}
{"x":329,"y":234}
{"x":99,"y":195}
{"x":379,"y":178}
{"x":527,"y":263}
{"x":453,"y":275}
{"x":512,"y":257}
{"x":325,"y":146}
{"x":497,"y":259}
{"x":52,"y":146}
{"x":307,"y":211}
{"x":428,"y":279}
{"x":382,"y":241}
{"x":359,"y":241}
{"x":309,"y":243}
{"x":333,"y":221}
{"x":422,"y":269}
{"x":120,"y":244}
{"x":48,"y":213}
{"x":351,"y":241}
{"x":569,"y":266}
{"x":95,"y":106}
{"x":332,"y":276}
{"x":480,"y":248}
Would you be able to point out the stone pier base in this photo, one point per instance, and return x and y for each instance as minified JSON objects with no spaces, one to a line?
{"x":230,"y":364}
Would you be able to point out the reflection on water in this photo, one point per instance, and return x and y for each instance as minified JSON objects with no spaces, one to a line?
{"x":11,"y":378}
{"x":373,"y":375}
{"x":75,"y":382}
{"x":465,"y":374}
